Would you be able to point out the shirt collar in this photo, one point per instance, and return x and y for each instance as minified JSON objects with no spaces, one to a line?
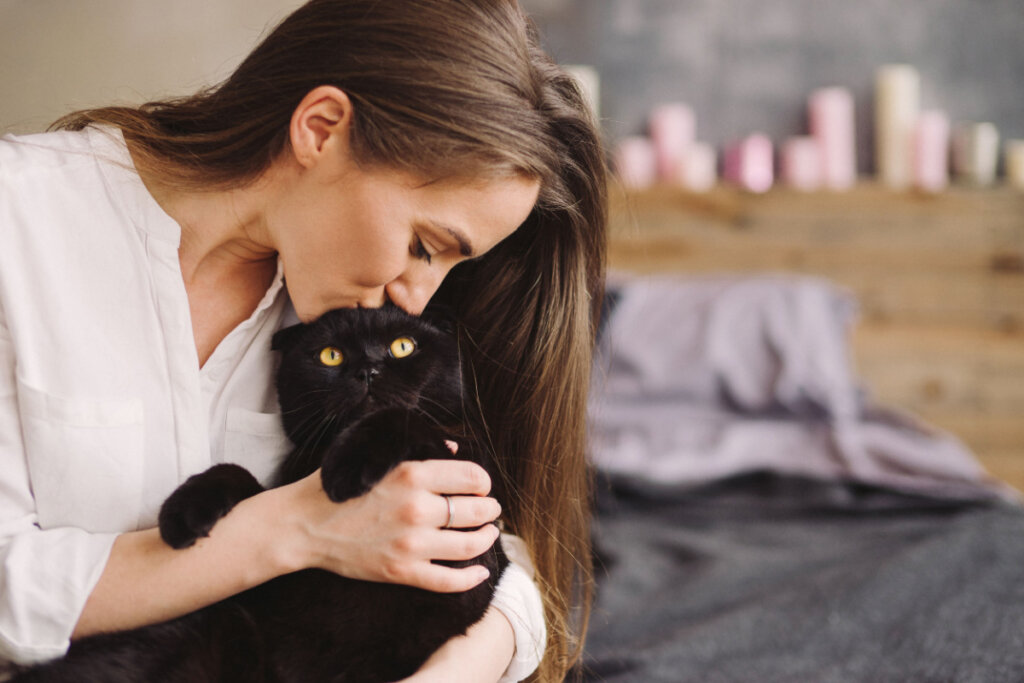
{"x":126,"y":187}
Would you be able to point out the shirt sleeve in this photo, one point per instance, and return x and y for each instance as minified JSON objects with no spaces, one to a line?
{"x":45,"y":576}
{"x":518,"y":598}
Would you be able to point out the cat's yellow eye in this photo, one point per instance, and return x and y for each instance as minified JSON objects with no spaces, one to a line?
{"x":331,"y":357}
{"x":402,"y":347}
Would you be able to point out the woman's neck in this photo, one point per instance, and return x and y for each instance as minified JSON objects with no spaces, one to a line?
{"x":227,"y":261}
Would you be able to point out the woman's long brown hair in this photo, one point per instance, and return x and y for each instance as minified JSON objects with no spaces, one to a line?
{"x":448,"y":89}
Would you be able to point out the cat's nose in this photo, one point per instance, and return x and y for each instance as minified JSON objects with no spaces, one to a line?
{"x":367,"y":374}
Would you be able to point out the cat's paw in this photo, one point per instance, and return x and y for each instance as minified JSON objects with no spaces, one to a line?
{"x":194,"y":508}
{"x":365,"y":452}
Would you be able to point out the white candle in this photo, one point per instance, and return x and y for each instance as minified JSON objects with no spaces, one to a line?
{"x":801,"y":162}
{"x":672,"y":129}
{"x":634,"y":162}
{"x":976,"y":153}
{"x":897,"y":101}
{"x":1015,"y":164}
{"x":831,"y":115}
{"x":931,"y":151}
{"x":750,"y":164}
{"x":589,"y":81}
{"x":700,"y":168}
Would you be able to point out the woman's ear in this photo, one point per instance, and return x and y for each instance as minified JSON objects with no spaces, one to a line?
{"x":322,"y":122}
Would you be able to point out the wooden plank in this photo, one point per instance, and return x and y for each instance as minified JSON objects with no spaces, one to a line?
{"x":929,"y":368}
{"x":953,"y":258}
{"x":866,"y":214}
{"x":1006,"y":466}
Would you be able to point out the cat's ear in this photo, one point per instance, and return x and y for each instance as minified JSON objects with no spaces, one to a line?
{"x":285,"y":338}
{"x":440,"y":316}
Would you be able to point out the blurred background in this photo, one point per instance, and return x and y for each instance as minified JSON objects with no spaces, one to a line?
{"x":936,"y":264}
{"x":749,"y":65}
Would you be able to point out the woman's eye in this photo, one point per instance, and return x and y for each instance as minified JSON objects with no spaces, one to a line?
{"x":402,"y":347}
{"x":420,"y":251}
{"x":331,"y":357}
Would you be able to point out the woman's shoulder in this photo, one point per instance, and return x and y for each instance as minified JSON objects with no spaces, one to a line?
{"x":63,"y":181}
{"x":57,"y":153}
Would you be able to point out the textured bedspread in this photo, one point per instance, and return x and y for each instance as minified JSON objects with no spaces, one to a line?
{"x":766,"y":577}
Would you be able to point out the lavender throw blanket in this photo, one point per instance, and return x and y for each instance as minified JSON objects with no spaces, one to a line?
{"x":703,"y":378}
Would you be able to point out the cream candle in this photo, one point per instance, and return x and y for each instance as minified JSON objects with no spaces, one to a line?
{"x":700,"y":168}
{"x":897,"y":101}
{"x":931,"y":151}
{"x":976,"y":153}
{"x":1015,"y":163}
{"x":672,"y":128}
{"x":831,"y":115}
{"x":801,"y":164}
{"x":634,"y":162}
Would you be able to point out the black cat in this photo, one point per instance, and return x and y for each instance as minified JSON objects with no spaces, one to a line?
{"x":360,"y":390}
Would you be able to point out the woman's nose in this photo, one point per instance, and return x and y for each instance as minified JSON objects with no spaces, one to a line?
{"x":373,"y":298}
{"x":413,"y":293}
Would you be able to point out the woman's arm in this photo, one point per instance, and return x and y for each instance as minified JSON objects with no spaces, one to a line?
{"x":390,"y":534}
{"x":480,"y":656}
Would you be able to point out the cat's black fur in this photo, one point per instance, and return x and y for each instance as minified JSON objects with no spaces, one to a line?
{"x":356,"y":421}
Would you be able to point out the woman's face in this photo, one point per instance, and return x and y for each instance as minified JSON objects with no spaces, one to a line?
{"x":351,"y":236}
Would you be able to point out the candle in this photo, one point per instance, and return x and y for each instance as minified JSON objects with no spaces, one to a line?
{"x":931,"y":151}
{"x":672,"y":131}
{"x":1015,"y":163}
{"x":831,"y":115}
{"x":700,"y":168}
{"x":634,"y":162}
{"x":749,"y":164}
{"x":976,"y":153}
{"x":801,"y":162}
{"x":897,"y":97}
{"x":589,"y":82}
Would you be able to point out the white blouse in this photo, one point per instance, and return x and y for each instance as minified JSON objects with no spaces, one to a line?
{"x":104,"y":409}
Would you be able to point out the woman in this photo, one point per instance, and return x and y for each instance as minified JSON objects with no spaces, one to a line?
{"x":364,"y":152}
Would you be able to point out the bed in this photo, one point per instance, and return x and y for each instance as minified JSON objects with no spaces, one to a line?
{"x":761,"y":517}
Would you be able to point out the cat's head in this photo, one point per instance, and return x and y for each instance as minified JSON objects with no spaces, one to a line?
{"x":351,"y":362}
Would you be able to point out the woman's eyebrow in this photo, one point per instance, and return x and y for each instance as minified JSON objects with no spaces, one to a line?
{"x":465,"y":246}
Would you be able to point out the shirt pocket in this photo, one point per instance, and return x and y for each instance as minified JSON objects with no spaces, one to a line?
{"x":256,"y":441}
{"x":84,"y":459}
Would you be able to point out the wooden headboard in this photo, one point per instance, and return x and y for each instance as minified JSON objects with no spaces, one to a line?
{"x":939,"y":279}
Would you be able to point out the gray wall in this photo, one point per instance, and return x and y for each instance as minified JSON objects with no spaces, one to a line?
{"x":60,"y":55}
{"x":748,"y":65}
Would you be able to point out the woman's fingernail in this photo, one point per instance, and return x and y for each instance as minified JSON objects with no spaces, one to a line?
{"x":452,"y":446}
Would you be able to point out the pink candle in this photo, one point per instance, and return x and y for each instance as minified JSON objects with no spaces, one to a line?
{"x":749,"y":164}
{"x":801,"y":162}
{"x":931,"y":151}
{"x":672,"y":130}
{"x":634,"y":162}
{"x":832,"y":124}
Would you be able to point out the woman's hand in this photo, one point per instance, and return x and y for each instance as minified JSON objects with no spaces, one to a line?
{"x":392,"y":533}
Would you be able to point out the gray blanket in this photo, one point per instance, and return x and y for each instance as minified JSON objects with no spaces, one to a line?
{"x":772,"y":578}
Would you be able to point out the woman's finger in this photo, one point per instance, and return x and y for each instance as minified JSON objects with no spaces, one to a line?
{"x":441,"y":579}
{"x":444,"y":476}
{"x":467,"y":512}
{"x":463,"y":545}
